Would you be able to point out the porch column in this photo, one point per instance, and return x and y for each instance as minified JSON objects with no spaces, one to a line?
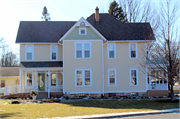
{"x":20,"y":74}
{"x":49,"y":77}
{"x":155,"y":80}
{"x":149,"y":76}
{"x":163,"y":79}
{"x":35,"y":81}
{"x":166,"y":81}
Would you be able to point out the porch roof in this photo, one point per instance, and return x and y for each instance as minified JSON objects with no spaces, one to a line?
{"x":50,"y":64}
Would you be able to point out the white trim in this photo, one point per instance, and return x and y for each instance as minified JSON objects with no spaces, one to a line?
{"x":115,"y":78}
{"x":63,"y":67}
{"x":83,"y":40}
{"x":26,"y":52}
{"x":35,"y":43}
{"x":132,"y":91}
{"x":114,"y":51}
{"x":83,"y":77}
{"x":19,"y":53}
{"x":135,"y":50}
{"x":39,"y":67}
{"x":102,"y":66}
{"x":78,"y":24}
{"x":130,"y":40}
{"x":136,"y":76}
{"x":51,"y":53}
{"x":85,"y":30}
{"x":83,"y":54}
{"x":82,"y":92}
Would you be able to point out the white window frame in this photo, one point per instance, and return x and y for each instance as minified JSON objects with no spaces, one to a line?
{"x":83,"y":54}
{"x":52,"y":52}
{"x":27,"y":52}
{"x":56,"y":79}
{"x":85,"y":31}
{"x":114,"y":51}
{"x":136,"y":76}
{"x":135,"y":51}
{"x":115,"y":78}
{"x":26,"y":78}
{"x":83,"y":77}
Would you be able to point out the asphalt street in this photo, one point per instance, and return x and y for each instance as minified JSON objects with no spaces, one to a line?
{"x":158,"y":116}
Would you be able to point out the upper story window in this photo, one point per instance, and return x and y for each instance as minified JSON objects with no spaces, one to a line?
{"x":111,"y":51}
{"x":111,"y":77}
{"x":133,"y":50}
{"x":133,"y":77}
{"x":53,"y":52}
{"x":83,"y":50}
{"x":29,"y":54}
{"x":82,"y":31}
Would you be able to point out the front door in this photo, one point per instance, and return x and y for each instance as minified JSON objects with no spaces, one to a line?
{"x":41,"y":82}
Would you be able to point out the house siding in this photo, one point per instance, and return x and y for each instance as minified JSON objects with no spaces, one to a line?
{"x":70,"y":64}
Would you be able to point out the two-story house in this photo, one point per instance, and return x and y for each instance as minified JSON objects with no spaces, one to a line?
{"x":95,"y":55}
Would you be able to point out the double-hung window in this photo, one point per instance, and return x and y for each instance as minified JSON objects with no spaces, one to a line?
{"x":133,"y":77}
{"x":111,"y":51}
{"x":111,"y":77}
{"x":29,"y":52}
{"x":83,"y":77}
{"x":53,"y":79}
{"x":53,"y":52}
{"x":133,"y":50}
{"x":83,"y":50}
{"x":29,"y":79}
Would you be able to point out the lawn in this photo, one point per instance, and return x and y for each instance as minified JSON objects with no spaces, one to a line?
{"x":80,"y":108}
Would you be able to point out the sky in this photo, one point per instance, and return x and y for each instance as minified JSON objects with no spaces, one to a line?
{"x":14,"y":11}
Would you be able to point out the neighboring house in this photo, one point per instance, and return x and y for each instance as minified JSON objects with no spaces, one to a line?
{"x":95,"y":55}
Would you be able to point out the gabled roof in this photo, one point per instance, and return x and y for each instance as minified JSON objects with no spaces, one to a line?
{"x":9,"y":71}
{"x":108,"y":26}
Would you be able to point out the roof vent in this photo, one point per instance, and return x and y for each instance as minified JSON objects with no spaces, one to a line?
{"x":97,"y":14}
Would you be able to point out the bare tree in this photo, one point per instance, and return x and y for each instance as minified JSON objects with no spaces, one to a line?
{"x":164,"y":53}
{"x":45,"y":14}
{"x":1,"y":42}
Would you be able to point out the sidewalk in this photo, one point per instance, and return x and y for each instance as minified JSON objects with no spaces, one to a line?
{"x":122,"y":114}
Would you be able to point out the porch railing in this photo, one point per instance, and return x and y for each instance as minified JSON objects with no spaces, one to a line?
{"x":10,"y":90}
{"x":158,"y":86}
{"x":27,"y":89}
{"x":58,"y":88}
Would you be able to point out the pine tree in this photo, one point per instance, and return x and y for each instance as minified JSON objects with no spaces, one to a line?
{"x":45,"y":14}
{"x":116,"y":11}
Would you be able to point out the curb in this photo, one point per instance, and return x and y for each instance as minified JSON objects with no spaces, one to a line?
{"x":122,"y":114}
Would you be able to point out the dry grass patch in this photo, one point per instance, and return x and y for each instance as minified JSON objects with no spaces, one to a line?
{"x":80,"y":108}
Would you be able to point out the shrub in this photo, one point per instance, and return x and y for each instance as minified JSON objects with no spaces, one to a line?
{"x":33,"y":93}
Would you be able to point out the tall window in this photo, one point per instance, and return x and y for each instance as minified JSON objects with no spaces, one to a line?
{"x":133,"y":50}
{"x":2,"y":83}
{"x":53,"y":52}
{"x":83,"y":77}
{"x":111,"y":51}
{"x":53,"y":79}
{"x":29,"y":52}
{"x":83,"y":50}
{"x":133,"y":77}
{"x":111,"y":77}
{"x":29,"y":79}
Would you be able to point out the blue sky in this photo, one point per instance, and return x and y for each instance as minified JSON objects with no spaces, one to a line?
{"x":14,"y":11}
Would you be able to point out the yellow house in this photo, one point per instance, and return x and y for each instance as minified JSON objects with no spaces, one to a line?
{"x":9,"y":76}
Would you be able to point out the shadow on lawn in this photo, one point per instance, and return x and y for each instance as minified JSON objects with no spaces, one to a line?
{"x":127,"y":104}
{"x":6,"y":115}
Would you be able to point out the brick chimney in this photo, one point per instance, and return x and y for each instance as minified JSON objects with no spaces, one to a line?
{"x":97,"y":14}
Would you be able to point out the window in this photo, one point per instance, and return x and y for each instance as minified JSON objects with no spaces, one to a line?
{"x":29,"y":52}
{"x":2,"y":83}
{"x":83,"y":77}
{"x":133,"y":50}
{"x":83,"y":50}
{"x":111,"y":51}
{"x":53,"y":79}
{"x":111,"y":77}
{"x":133,"y":77}
{"x":82,"y":31}
{"x":53,"y":52}
{"x":29,"y":79}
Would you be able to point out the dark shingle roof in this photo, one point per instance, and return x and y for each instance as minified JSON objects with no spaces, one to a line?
{"x":41,"y":64}
{"x":113,"y":29}
{"x":9,"y":71}
{"x":108,"y":26}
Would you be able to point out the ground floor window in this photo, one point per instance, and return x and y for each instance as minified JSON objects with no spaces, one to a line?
{"x":83,"y":77}
{"x":29,"y":79}
{"x":2,"y":83}
{"x":111,"y":77}
{"x":53,"y":79}
{"x":133,"y":77}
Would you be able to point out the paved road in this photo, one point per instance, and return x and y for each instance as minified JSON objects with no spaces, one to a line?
{"x":158,"y":116}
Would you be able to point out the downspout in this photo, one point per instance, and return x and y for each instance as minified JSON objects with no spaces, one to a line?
{"x":103,"y":65}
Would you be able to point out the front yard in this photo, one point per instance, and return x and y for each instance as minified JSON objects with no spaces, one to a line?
{"x":80,"y":108}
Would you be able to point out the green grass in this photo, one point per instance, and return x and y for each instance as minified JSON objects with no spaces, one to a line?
{"x":80,"y":108}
